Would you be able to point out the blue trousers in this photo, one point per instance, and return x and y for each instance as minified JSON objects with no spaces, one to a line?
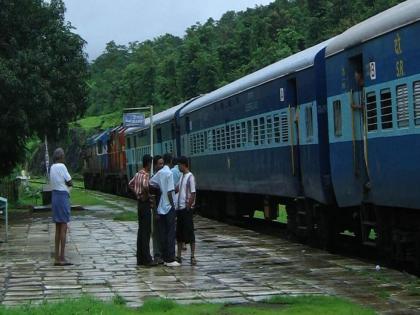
{"x":166,"y":224}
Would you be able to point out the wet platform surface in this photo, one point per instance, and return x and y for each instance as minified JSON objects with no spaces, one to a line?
{"x":235,"y":265}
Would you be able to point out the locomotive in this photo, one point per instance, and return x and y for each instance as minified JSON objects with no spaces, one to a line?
{"x":332,"y":133}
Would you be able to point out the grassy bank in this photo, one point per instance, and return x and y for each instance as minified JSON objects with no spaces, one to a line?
{"x":313,"y":305}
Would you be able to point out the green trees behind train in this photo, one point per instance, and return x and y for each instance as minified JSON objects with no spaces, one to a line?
{"x":169,"y":69}
{"x":43,"y":71}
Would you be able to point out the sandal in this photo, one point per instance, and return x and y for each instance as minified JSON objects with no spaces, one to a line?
{"x":193,"y":261}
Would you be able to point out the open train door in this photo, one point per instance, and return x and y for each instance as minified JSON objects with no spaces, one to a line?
{"x":292,"y":100}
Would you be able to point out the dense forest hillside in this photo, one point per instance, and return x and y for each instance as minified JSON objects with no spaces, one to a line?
{"x":169,"y":69}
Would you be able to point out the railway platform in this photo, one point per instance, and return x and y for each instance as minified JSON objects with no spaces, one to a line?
{"x":235,"y":265}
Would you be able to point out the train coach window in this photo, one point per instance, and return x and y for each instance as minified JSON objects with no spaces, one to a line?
{"x":128,"y":143}
{"x":269,"y":130}
{"x":284,"y":127}
{"x":402,"y":106}
{"x":218,"y":147}
{"x":255,"y":129}
{"x":243,"y":134}
{"x":232,"y":136}
{"x":276,"y":120}
{"x":416,"y":102}
{"x":262,"y":130}
{"x":228,"y":137}
{"x":371,"y":112}
{"x":238,"y":135}
{"x":309,"y":122}
{"x":338,"y":123}
{"x":386,"y":109}
{"x":223,"y":138}
{"x":249,"y":131}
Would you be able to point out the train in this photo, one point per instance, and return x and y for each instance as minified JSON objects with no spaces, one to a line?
{"x":332,"y":133}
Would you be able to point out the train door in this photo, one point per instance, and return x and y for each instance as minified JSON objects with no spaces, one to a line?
{"x":292,"y":98}
{"x":358,"y":119}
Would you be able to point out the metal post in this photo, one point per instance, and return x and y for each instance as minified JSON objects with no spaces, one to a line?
{"x":7,"y":222}
{"x":47,"y":160}
{"x":151,"y":137}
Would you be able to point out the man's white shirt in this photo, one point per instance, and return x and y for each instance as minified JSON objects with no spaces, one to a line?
{"x":165,"y":181}
{"x":181,"y":197}
{"x":59,"y":176}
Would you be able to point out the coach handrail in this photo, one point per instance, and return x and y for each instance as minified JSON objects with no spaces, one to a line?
{"x":353,"y":132}
{"x":365,"y":132}
{"x":292,"y":140}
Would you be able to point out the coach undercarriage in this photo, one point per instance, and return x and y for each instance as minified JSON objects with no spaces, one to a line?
{"x":393,"y":233}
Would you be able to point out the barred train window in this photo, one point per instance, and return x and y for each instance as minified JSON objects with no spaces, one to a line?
{"x":227,"y":135}
{"x":243,"y":134}
{"x":309,"y":122}
{"x":223,"y":138}
{"x":371,"y":112}
{"x":249,"y":129}
{"x":233,"y":136}
{"x":386,"y":109}
{"x":269,"y":129}
{"x":255,"y":127}
{"x":338,"y":122}
{"x":416,"y":102}
{"x":402,"y":106}
{"x":276,"y":128}
{"x":262,"y":130}
{"x":238,"y":135}
{"x":284,"y":127}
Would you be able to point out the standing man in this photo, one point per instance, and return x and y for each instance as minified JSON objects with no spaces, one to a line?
{"x":175,"y":171}
{"x":60,"y":181}
{"x":185,"y":205}
{"x":139,"y":184}
{"x":155,"y":199}
{"x":166,"y":211}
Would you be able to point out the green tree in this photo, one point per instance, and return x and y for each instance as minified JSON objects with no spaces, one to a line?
{"x":43,"y":71}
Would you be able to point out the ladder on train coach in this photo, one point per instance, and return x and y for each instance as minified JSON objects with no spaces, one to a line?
{"x":368,"y":223}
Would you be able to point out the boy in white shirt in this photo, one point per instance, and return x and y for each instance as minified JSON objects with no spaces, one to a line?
{"x":185,"y":202}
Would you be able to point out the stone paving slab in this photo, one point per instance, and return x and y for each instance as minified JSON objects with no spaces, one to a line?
{"x":234,"y":266}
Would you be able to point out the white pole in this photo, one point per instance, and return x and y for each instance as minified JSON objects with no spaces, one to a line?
{"x":47,"y":160}
{"x":151,"y":136}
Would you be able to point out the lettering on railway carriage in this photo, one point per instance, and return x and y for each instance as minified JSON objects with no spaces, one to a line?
{"x":397,"y":44}
{"x":343,"y":78}
{"x":281,"y":94}
{"x":400,"y":68}
{"x":372,"y":70}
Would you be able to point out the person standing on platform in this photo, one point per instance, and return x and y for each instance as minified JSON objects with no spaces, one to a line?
{"x":166,"y":211}
{"x":60,"y":182}
{"x":175,"y":171}
{"x":139,"y":184}
{"x":155,"y":199}
{"x":185,"y":202}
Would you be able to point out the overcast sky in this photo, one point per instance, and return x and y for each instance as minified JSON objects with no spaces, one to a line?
{"x":124,"y":21}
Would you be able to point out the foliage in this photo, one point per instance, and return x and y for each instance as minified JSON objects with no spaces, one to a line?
{"x":42,"y":75}
{"x":169,"y":69}
{"x":101,"y":122}
{"x":280,"y":305}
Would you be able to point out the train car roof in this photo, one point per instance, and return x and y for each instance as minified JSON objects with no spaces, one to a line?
{"x":104,"y":135}
{"x":400,"y":15}
{"x":294,"y":63}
